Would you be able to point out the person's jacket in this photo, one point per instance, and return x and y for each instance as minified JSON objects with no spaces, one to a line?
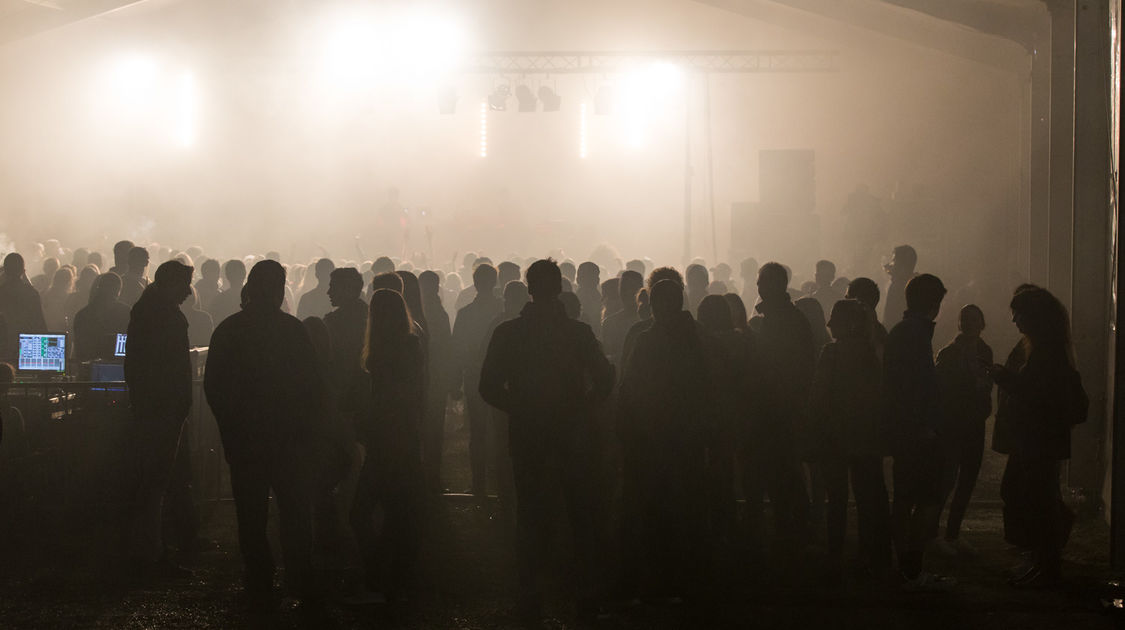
{"x":96,"y":327}
{"x":788,"y":358}
{"x":443,"y":378}
{"x":470,"y":336}
{"x":545,"y":371}
{"x":913,"y":396}
{"x":263,"y":383}
{"x":667,"y":391}
{"x":846,"y":403}
{"x":347,"y":327}
{"x":391,"y":428}
{"x":966,"y":388}
{"x":1035,"y":413}
{"x":21,"y":307}
{"x":157,"y":359}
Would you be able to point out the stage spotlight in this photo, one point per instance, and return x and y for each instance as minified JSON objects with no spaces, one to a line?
{"x":603,"y":101}
{"x":551,"y":100}
{"x":498,"y":100}
{"x":527,"y":101}
{"x":447,"y":101}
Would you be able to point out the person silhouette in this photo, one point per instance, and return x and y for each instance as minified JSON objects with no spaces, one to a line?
{"x":966,"y":396}
{"x":207,"y":287}
{"x":665,"y":400}
{"x":826,"y":292}
{"x":43,"y":281}
{"x":698,"y":279}
{"x":81,"y":295}
{"x":617,"y":324}
{"x":200,"y":324}
{"x":20,"y":305}
{"x":787,"y":360}
{"x":845,"y":441}
{"x":134,"y":280}
{"x":901,"y":269}
{"x":391,"y":476}
{"x":121,"y":251}
{"x":97,"y":325}
{"x":158,"y":374}
{"x":611,"y":302}
{"x":866,"y":292}
{"x":54,"y":300}
{"x":441,"y":377}
{"x":469,"y":341}
{"x":315,"y":302}
{"x":658,"y":274}
{"x":914,"y":415}
{"x":589,"y":294}
{"x":228,"y":301}
{"x":1041,"y":400}
{"x":547,"y":372}
{"x":515,"y":298}
{"x":739,"y":319}
{"x":265,"y":389}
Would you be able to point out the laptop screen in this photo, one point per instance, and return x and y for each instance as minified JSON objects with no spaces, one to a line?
{"x":119,"y":347}
{"x":42,"y":353}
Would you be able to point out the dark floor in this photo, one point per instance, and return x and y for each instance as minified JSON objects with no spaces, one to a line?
{"x":58,"y":572}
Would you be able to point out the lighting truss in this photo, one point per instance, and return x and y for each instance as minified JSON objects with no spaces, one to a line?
{"x":705,"y":62}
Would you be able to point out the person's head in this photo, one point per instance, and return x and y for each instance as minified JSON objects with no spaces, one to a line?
{"x":630,"y":282}
{"x":80,"y":258}
{"x":714,"y":314}
{"x":825,"y":273}
{"x":382,"y":264}
{"x":544,"y":280}
{"x":86,"y":279}
{"x":121,"y":251}
{"x":515,"y":296}
{"x":235,"y":272}
{"x":722,"y":272}
{"x":13,"y":266}
{"x":138,"y":260}
{"x":865,"y":290}
{"x":106,"y":289}
{"x":849,"y":320}
{"x":663,"y":273}
{"x":589,"y":275}
{"x":748,"y":270}
{"x":903,"y":261}
{"x":611,"y":295}
{"x":738,"y":316}
{"x":666,"y":299}
{"x":345,"y":284}
{"x":430,"y":283}
{"x":970,"y":320}
{"x":697,"y":278}
{"x":506,"y":272}
{"x":62,"y":281}
{"x":484,"y":279}
{"x":773,"y":281}
{"x":568,"y":271}
{"x":324,"y":268}
{"x":1042,"y":318}
{"x":412,"y":294}
{"x":265,"y":286}
{"x":50,"y":266}
{"x":210,"y":270}
{"x":636,"y":265}
{"x":388,"y":320}
{"x":924,"y":294}
{"x":95,"y":259}
{"x":172,"y":280}
{"x":273,"y":255}
{"x":389,"y":280}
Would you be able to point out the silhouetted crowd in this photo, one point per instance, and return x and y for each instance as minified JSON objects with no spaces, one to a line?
{"x":641,"y":408}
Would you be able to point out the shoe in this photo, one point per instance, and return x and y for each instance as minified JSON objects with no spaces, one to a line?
{"x":1038,"y":577}
{"x":929,"y":583}
{"x":946,"y":547}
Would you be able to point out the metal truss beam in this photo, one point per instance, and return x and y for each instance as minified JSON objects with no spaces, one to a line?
{"x":704,"y":62}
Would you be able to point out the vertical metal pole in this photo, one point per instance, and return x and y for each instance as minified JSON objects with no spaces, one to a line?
{"x":710,"y":168}
{"x":687,"y":170}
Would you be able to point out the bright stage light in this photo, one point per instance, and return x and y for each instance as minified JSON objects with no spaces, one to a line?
{"x":137,"y":97}
{"x":525,"y":99}
{"x":187,"y":110}
{"x":130,"y":82}
{"x":647,"y":95}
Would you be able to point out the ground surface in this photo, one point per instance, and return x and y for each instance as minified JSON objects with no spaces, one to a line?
{"x":60,"y":572}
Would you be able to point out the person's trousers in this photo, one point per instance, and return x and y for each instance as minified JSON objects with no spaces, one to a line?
{"x":918,"y":479}
{"x":156,"y":440}
{"x":433,"y":435}
{"x":1035,"y":516}
{"x":251,"y":482}
{"x":965,"y":454}
{"x":872,"y":508}
{"x":542,"y":473}
{"x":180,"y":496}
{"x":773,"y":466}
{"x":389,"y":552}
{"x":480,"y":415}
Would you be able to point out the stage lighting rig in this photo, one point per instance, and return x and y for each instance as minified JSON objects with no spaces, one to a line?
{"x":550,"y":99}
{"x":498,"y":100}
{"x":526,"y":100}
